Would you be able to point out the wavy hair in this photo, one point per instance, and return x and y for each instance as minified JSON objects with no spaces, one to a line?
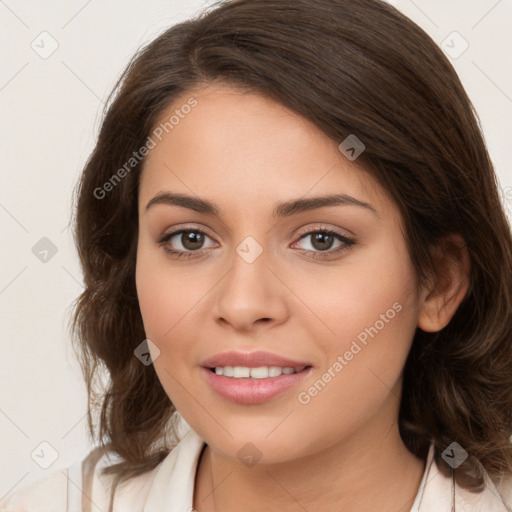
{"x":351,"y":68}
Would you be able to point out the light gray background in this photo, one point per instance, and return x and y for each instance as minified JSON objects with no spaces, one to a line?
{"x":50,"y":112}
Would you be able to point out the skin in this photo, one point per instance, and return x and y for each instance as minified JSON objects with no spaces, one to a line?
{"x":245,"y":152}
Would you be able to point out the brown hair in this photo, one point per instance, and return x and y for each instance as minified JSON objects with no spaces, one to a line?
{"x":352,"y":68}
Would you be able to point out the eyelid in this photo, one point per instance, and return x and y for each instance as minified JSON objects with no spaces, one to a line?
{"x":325,"y":227}
{"x":187,"y":227}
{"x":303,"y":231}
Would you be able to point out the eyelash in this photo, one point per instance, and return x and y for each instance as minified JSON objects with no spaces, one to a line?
{"x":178,"y":254}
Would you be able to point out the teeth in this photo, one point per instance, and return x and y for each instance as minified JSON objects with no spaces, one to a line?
{"x":241,"y":371}
{"x":261,"y":372}
{"x":275,"y":371}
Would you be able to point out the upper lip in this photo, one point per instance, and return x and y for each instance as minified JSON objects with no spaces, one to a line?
{"x":251,"y":360}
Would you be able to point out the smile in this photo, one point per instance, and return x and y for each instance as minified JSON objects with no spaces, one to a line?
{"x":261,"y":372}
{"x":244,"y":387}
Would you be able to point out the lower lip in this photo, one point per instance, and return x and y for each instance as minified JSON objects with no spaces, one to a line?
{"x":253,"y":391}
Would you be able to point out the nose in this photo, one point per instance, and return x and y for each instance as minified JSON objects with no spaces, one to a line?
{"x":250,"y":296}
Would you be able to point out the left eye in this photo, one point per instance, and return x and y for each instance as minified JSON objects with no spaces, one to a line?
{"x":323,"y":241}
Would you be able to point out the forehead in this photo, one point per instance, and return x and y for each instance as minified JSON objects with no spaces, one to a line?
{"x":246,"y":147}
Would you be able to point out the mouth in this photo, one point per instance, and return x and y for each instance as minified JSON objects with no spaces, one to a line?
{"x":259,"y":372}
{"x":254,"y":385}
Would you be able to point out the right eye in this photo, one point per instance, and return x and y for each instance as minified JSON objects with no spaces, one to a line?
{"x":184,"y":242}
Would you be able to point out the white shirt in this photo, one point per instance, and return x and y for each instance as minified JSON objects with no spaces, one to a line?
{"x":170,"y":487}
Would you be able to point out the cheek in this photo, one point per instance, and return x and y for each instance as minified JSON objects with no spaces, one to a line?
{"x":152,"y":301}
{"x":358,"y":299}
{"x":365,"y":312}
{"x":165,"y":303}
{"x":373,"y":322}
{"x":166,"y":293}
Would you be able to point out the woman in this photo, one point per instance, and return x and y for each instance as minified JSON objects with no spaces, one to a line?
{"x":298,"y":275}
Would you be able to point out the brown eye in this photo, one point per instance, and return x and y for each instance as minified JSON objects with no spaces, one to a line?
{"x":192,"y":240}
{"x":322,"y":241}
{"x":185,"y":242}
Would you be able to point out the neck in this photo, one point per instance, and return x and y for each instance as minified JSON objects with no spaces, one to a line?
{"x":362,"y":473}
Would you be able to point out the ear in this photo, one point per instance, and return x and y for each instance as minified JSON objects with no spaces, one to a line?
{"x":448,"y":284}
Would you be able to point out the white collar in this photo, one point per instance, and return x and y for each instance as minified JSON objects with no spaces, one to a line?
{"x":171,"y":487}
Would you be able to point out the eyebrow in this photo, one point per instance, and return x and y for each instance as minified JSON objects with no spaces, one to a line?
{"x":284,"y":209}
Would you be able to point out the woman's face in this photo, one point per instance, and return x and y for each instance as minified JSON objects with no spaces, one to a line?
{"x":251,"y":276}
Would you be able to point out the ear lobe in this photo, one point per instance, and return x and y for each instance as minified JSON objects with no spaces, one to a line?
{"x":448,"y":286}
